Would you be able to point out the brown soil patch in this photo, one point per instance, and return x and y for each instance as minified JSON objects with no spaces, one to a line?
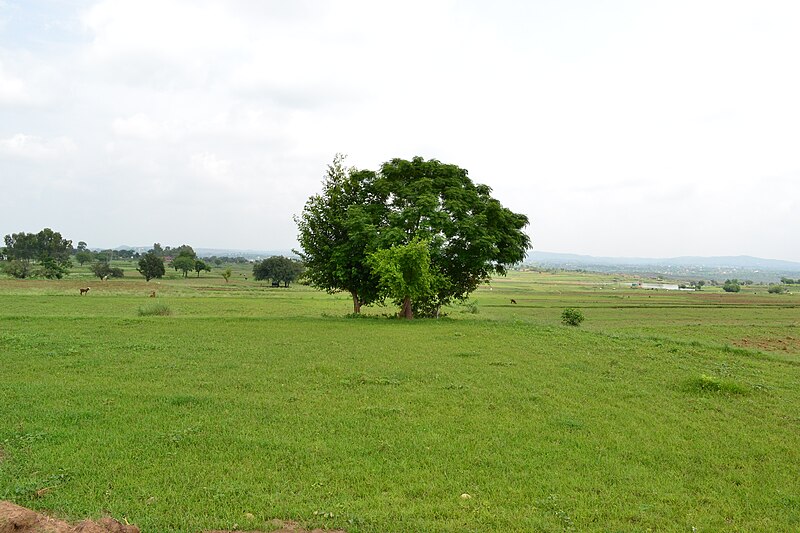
{"x":786,"y":344}
{"x":16,"y":519}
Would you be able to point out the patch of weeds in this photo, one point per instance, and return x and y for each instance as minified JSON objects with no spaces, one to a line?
{"x":572,"y":317}
{"x":571,"y":423}
{"x":383,"y":411}
{"x":179,"y":436}
{"x":469,"y":306}
{"x":368,"y":380}
{"x":501,"y":363}
{"x":456,"y":386}
{"x":158,"y":309}
{"x":466,"y":354}
{"x":38,"y":487}
{"x":715,"y":385}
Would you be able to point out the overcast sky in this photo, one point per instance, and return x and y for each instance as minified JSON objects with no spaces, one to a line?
{"x":620,"y":128}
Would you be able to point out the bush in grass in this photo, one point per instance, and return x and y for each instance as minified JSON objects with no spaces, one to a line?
{"x":571,"y":317}
{"x":731,"y":285}
{"x":155,"y":310}
{"x":713,"y":384}
{"x":776,"y":289}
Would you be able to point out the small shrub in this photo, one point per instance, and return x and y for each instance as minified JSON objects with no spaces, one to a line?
{"x":572,"y":317}
{"x":711,"y":384}
{"x":776,"y":289}
{"x":155,"y":310}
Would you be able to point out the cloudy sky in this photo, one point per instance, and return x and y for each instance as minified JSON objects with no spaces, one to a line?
{"x":620,"y":128}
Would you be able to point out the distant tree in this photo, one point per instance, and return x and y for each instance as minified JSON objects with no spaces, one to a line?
{"x":183,"y":249}
{"x":731,"y":285}
{"x":183,"y":263}
{"x":151,"y":266}
{"x":789,"y":281}
{"x":83,"y":256}
{"x":699,"y":285}
{"x":200,"y":265}
{"x":46,"y":249}
{"x":81,"y":246}
{"x":572,"y":317}
{"x":226,"y":274}
{"x":157,"y":250}
{"x":102,"y":269}
{"x":278,"y":268}
{"x":776,"y":289}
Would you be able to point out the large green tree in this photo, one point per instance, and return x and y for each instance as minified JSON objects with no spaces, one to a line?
{"x":470,"y":235}
{"x":151,"y":266}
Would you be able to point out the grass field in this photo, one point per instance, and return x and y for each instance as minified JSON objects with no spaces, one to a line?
{"x":664,"y":411}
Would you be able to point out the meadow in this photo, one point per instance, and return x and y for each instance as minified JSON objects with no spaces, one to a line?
{"x":242,"y":403}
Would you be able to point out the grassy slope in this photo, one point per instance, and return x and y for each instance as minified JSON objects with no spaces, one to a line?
{"x":239,"y":404}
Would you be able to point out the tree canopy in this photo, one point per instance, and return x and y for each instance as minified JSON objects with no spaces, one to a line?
{"x":48,"y":250}
{"x":278,"y":268}
{"x":151,"y":266}
{"x":469,"y":234}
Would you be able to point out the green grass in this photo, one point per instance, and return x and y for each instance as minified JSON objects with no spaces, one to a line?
{"x":653,"y":415}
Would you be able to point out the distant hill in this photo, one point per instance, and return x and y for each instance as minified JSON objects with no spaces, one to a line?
{"x":688,"y":267}
{"x":738,"y":261}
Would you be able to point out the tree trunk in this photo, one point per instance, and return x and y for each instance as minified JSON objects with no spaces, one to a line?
{"x":406,"y":311}
{"x":356,"y":303}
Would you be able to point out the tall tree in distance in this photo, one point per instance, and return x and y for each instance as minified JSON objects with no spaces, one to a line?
{"x":48,"y":250}
{"x":278,"y":268}
{"x":151,"y":266}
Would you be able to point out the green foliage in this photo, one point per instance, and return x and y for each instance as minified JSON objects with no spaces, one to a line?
{"x":337,"y":231}
{"x":18,"y":268}
{"x":200,"y":266}
{"x":151,"y":266}
{"x":405,"y":273}
{"x":226,"y":274}
{"x":776,"y":289}
{"x":184,"y":263}
{"x":47,"y":249}
{"x":731,"y":285}
{"x":470,"y":235}
{"x":278,"y":268}
{"x":102,"y":269}
{"x":83,"y":256}
{"x":789,"y":281}
{"x":712,"y":384}
{"x":157,"y":309}
{"x":572,"y":317}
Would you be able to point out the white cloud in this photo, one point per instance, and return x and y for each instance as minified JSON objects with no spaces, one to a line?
{"x":601,"y":121}
{"x":12,"y":89}
{"x":29,"y":146}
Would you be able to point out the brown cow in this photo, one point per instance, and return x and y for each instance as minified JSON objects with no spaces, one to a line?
{"x":513,"y":301}
{"x":84,"y":291}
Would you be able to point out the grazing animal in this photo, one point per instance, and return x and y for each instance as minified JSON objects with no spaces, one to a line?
{"x":84,"y":291}
{"x":513,"y":301}
{"x":153,"y":294}
{"x":104,"y":278}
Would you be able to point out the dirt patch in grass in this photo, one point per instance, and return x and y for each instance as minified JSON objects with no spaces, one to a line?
{"x":785,"y":344}
{"x":16,"y":519}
